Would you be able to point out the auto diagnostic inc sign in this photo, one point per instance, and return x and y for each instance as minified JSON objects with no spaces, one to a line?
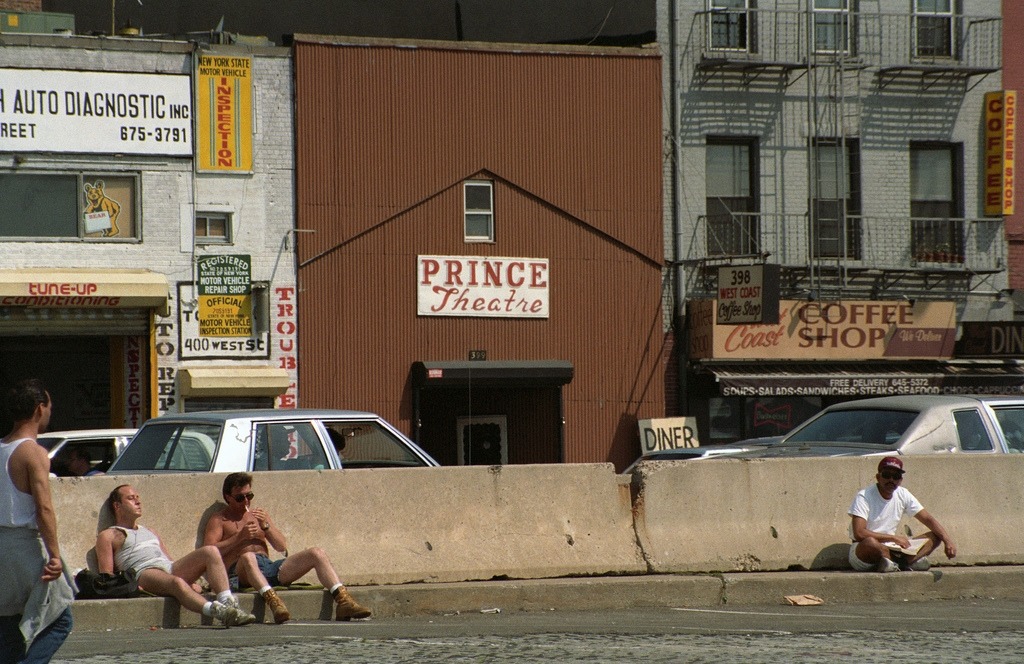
{"x":495,"y":287}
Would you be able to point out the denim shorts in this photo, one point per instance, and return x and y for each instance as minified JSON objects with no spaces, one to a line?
{"x":268,"y":568}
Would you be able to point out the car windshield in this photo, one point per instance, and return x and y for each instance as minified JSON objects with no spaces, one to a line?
{"x":863,"y":426}
{"x":366,"y":444}
{"x":170,"y":447}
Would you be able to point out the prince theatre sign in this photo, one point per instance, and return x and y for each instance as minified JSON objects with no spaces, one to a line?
{"x":488,"y":286}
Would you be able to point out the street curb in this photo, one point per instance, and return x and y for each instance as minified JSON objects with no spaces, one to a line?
{"x":587,"y":593}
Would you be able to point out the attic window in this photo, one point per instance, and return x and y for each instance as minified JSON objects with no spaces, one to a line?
{"x":479,"y":210}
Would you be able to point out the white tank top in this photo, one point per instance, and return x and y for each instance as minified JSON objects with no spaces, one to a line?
{"x":17,"y":509}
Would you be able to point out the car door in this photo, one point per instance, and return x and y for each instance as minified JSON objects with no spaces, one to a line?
{"x":973,"y":435}
{"x":291,"y":445}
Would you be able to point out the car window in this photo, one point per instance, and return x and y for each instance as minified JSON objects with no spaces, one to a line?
{"x":866,"y":426}
{"x":171,"y":447}
{"x":288,"y":446}
{"x":49,"y":442}
{"x":971,"y":432}
{"x":84,"y":456}
{"x":367,"y":444}
{"x":1011,"y":421}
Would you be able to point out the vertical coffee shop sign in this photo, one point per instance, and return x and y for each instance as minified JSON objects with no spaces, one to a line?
{"x":225,"y":296}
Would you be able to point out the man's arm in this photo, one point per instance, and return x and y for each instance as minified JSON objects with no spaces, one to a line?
{"x":933,"y":525}
{"x":228,"y":545}
{"x":861,"y":532}
{"x":36,"y":470}
{"x":271,"y":532}
{"x":105,"y":549}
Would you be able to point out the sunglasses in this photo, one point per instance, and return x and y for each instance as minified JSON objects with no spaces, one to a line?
{"x":892,"y":475}
{"x":242,"y":497}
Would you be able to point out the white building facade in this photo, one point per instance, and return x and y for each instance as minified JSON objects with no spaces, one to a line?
{"x":131,"y":171}
{"x":840,"y":146}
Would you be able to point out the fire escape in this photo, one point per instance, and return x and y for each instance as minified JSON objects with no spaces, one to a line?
{"x":855,"y":69}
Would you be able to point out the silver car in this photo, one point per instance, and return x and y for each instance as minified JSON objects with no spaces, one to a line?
{"x":920,"y":424}
{"x":254,"y":440}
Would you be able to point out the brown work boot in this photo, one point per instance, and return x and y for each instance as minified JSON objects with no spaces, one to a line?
{"x":347,"y":608}
{"x":274,"y":603}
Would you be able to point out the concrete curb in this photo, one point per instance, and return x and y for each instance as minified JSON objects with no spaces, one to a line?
{"x":589,"y":593}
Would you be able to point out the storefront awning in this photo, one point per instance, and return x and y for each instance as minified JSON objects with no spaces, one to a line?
{"x":865,"y":379}
{"x":84,"y":289}
{"x":237,"y":381}
{"x":542,"y":373}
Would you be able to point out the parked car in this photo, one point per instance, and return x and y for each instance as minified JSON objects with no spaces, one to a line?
{"x":99,"y":447}
{"x":919,"y":424}
{"x":267,"y":439}
{"x":706,"y":451}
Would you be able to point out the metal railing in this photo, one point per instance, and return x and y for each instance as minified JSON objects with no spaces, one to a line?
{"x":883,"y":40}
{"x":885,"y":243}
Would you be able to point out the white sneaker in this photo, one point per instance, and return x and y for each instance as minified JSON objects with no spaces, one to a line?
{"x":887,"y":565}
{"x":232,"y":616}
{"x":921,"y":565}
{"x":232,"y":601}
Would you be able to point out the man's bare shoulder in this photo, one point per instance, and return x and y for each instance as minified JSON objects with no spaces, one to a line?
{"x":113,"y":534}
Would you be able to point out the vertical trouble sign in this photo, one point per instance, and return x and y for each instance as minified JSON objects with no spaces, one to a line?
{"x":224,"y":113}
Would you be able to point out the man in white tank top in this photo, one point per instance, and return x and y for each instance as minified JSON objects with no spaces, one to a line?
{"x":133,"y":548}
{"x":35,"y":590}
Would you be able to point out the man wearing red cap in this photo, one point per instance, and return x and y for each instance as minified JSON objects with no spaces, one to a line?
{"x":876,"y":512}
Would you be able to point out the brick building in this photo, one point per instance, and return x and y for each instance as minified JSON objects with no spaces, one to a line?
{"x":835,"y":153}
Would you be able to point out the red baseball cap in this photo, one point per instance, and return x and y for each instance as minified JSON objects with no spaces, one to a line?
{"x":892,"y":463}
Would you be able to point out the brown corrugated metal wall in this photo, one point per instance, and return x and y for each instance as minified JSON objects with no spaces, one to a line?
{"x":387,"y":133}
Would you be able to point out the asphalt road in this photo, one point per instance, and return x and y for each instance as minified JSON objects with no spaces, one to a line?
{"x":956,"y":631}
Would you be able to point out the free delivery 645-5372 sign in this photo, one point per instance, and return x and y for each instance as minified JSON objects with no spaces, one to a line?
{"x":53,"y":110}
{"x":490,"y":286}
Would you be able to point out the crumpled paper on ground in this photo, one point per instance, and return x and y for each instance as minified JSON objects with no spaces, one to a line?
{"x":803,"y":600}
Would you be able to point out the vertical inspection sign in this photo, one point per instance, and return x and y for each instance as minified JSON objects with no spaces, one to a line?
{"x":225,"y":296}
{"x":224,"y":113}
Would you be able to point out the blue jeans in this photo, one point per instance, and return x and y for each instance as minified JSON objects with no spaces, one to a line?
{"x":12,"y":643}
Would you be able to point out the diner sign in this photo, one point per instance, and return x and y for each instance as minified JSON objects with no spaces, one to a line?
{"x":828,"y":330}
{"x":667,"y":433}
{"x":486,"y":286}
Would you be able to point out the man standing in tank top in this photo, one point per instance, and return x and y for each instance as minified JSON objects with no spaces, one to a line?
{"x":35,"y":590}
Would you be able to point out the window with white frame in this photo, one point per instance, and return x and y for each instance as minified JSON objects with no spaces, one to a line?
{"x":934,"y":28}
{"x":833,"y":24}
{"x":478,"y":196}
{"x":213,"y":227}
{"x":731,"y":24}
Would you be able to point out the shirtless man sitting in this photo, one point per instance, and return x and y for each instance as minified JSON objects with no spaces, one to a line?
{"x":242,"y":533}
{"x":135,"y":549}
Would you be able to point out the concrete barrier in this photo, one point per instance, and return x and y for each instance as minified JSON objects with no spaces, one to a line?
{"x":393,"y":526}
{"x":389,"y":526}
{"x":777,"y":514}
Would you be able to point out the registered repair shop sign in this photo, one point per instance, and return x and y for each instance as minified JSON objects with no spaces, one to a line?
{"x":225,"y":296}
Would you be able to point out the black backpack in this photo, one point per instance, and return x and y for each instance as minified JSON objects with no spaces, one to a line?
{"x":105,"y":586}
